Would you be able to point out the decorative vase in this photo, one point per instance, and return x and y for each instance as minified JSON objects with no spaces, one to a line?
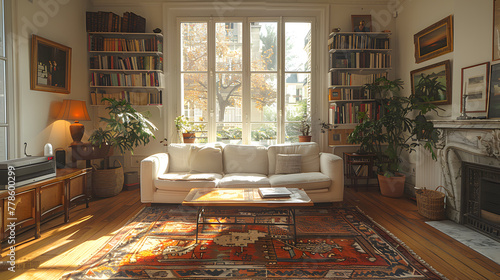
{"x":392,"y":186}
{"x":189,"y":137}
{"x":305,"y":138}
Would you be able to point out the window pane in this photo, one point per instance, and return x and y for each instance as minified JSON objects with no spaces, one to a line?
{"x":2,"y":32}
{"x":228,"y":99}
{"x":3,"y":143}
{"x":298,"y":46}
{"x":3,"y":108}
{"x":228,"y":46}
{"x":264,"y":94}
{"x":297,"y":95}
{"x":292,"y":132}
{"x":229,"y":133}
{"x":264,"y":134}
{"x":194,"y":46}
{"x":264,"y":45}
{"x":194,"y":90}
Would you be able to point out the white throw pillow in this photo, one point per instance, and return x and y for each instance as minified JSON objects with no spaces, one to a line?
{"x":179,"y":157}
{"x":206,"y":160}
{"x":288,"y":163}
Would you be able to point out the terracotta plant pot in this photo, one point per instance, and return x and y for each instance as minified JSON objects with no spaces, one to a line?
{"x":392,"y":186}
{"x":189,"y":137}
{"x":305,"y":138}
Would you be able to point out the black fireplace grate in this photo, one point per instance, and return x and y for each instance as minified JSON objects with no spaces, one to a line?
{"x":483,"y":226}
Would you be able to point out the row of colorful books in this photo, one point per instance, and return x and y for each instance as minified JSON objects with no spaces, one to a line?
{"x":126,"y":63}
{"x":348,"y":112}
{"x":360,"y":60}
{"x":110,"y":22}
{"x":153,"y":79}
{"x":358,"y":41}
{"x":134,"y":98}
{"x":100,"y":43}
{"x":352,"y":79}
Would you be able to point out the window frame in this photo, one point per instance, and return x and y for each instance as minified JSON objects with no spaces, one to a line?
{"x":246,"y":71}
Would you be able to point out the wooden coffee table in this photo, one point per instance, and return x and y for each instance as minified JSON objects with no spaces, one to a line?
{"x":258,"y":210}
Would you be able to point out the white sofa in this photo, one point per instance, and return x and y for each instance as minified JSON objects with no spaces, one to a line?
{"x":168,"y":177}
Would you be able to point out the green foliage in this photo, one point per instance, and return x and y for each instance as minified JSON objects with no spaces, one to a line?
{"x":183,"y":125}
{"x":430,"y":88}
{"x":125,"y":128}
{"x":396,"y":127}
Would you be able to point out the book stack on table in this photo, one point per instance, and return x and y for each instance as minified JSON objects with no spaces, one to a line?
{"x":274,"y":192}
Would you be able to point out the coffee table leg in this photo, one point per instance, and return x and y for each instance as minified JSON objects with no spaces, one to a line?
{"x":292,"y":213}
{"x":198,"y":218}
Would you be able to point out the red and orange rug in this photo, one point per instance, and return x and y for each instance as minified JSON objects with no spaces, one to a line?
{"x":332,"y":243}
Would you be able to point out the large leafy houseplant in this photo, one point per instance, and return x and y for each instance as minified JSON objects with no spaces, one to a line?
{"x":401,"y":120}
{"x":125,"y":129}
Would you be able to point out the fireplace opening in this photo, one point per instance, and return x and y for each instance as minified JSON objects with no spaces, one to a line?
{"x":481,"y":198}
{"x":490,"y":200}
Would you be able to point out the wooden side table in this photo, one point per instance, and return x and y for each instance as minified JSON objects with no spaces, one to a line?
{"x":360,"y":167}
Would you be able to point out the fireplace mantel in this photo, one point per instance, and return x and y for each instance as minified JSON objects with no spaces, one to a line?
{"x":467,"y":124}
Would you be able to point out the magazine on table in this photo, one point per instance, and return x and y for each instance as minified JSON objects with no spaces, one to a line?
{"x":274,"y":192}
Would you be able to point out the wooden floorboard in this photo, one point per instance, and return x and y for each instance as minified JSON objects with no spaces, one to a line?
{"x":63,"y":247}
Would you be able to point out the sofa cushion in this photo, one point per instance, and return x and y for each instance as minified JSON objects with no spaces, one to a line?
{"x":205,"y":159}
{"x":244,"y":180}
{"x":245,"y":159}
{"x":288,"y":163}
{"x":309,"y":152}
{"x":306,"y":181}
{"x":186,"y":181}
{"x":178,"y":157}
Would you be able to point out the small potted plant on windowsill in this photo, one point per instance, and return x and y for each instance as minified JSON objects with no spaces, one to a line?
{"x":187,"y":128}
{"x":305,"y":129}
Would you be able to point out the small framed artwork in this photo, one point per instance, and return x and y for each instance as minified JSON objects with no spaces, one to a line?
{"x":494,"y":97}
{"x":434,"y":82}
{"x":50,"y":66}
{"x":334,"y":94}
{"x":475,"y":88}
{"x":434,"y":40}
{"x":496,"y":29}
{"x":361,"y":23}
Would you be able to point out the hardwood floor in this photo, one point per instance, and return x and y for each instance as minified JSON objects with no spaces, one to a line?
{"x":63,"y":247}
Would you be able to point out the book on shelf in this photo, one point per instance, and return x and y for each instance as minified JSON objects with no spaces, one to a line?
{"x":358,"y":41}
{"x":110,"y":22}
{"x":274,"y":192}
{"x":134,"y":98}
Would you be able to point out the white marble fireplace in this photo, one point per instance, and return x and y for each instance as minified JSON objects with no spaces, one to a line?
{"x":473,"y":141}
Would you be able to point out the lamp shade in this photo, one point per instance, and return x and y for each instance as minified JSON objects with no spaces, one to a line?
{"x":73,"y":110}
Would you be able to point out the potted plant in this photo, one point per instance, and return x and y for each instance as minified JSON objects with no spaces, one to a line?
{"x":305,"y":129}
{"x":125,"y":129}
{"x":187,"y":128}
{"x":401,"y":119}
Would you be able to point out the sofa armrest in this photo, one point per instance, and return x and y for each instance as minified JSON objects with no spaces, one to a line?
{"x":333,"y":166}
{"x":151,"y":168}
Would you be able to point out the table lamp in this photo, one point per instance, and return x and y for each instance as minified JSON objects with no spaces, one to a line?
{"x":74,"y":110}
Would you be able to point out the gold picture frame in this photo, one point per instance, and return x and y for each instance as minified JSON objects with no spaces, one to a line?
{"x":50,"y":66}
{"x":441,"y":71}
{"x":434,"y":40}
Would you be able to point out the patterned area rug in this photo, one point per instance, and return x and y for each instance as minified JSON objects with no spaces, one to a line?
{"x":337,"y":243}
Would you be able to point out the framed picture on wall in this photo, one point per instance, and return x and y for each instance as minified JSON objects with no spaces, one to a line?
{"x":433,"y":82}
{"x":494,"y":97}
{"x":50,"y":66}
{"x":361,"y":23}
{"x":434,"y":40}
{"x":475,"y":88}
{"x":496,"y":29}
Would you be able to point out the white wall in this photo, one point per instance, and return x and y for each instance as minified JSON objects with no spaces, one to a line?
{"x":473,"y":30}
{"x":61,"y":21}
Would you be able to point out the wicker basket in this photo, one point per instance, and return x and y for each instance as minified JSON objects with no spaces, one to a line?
{"x":431,"y":203}
{"x":107,"y":182}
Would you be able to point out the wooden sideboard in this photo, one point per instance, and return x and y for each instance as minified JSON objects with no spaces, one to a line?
{"x":43,"y":200}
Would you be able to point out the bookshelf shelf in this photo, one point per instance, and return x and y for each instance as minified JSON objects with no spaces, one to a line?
{"x":125,"y":70}
{"x":356,"y":59}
